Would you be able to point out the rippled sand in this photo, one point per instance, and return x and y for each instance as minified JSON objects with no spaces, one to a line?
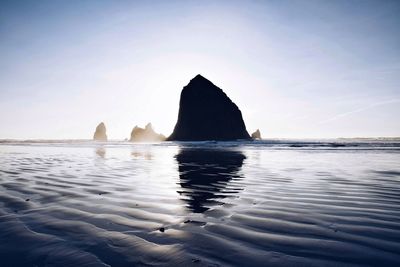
{"x":213,"y":204}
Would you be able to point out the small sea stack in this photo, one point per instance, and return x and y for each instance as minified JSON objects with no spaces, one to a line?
{"x":100,"y":133}
{"x":207,"y":113}
{"x":256,"y":134}
{"x":146,"y":134}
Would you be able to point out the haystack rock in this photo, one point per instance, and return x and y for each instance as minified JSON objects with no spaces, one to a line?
{"x":256,"y":134}
{"x":207,"y":113}
{"x":145,"y":135}
{"x":100,"y":133}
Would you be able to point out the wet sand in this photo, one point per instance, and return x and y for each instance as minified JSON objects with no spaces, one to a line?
{"x":204,"y":204}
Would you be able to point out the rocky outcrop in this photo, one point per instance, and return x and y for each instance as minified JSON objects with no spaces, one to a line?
{"x":207,"y":113}
{"x":100,"y":133}
{"x":145,"y":135}
{"x":256,"y":134}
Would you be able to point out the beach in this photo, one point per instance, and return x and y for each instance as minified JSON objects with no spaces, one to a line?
{"x":256,"y":203}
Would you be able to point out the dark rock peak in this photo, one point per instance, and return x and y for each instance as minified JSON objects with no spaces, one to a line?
{"x":201,"y":83}
{"x":100,"y":133}
{"x":199,"y":78}
{"x":207,"y":113}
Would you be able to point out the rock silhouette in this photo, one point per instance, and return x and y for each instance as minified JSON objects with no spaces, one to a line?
{"x":100,"y":133}
{"x":205,"y":174}
{"x":145,"y":135}
{"x":207,"y":113}
{"x":256,"y":134}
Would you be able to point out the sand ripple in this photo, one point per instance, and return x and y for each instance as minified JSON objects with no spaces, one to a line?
{"x":198,"y":205}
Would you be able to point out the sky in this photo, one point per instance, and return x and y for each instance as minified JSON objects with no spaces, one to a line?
{"x":296,"y":69}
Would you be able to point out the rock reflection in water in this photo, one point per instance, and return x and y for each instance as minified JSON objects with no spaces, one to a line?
{"x":142,"y":154}
{"x":205,"y":173}
{"x":101,"y":152}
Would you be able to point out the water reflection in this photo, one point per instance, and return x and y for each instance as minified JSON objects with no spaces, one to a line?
{"x":142,"y":154}
{"x":205,"y":174}
{"x":101,"y":152}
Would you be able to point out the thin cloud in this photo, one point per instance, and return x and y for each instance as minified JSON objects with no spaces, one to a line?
{"x":373,"y":105}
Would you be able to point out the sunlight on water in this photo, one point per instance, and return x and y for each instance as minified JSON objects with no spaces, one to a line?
{"x":201,"y":204}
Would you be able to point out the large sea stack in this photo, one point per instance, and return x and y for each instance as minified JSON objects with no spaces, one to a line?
{"x":100,"y":133}
{"x":207,"y":113}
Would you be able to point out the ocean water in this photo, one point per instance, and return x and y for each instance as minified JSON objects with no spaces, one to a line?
{"x":262,"y":203}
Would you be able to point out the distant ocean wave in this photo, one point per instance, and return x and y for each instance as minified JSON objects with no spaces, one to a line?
{"x":339,"y":143}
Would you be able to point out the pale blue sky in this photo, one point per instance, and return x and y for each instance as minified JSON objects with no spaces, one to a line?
{"x":295,"y":68}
